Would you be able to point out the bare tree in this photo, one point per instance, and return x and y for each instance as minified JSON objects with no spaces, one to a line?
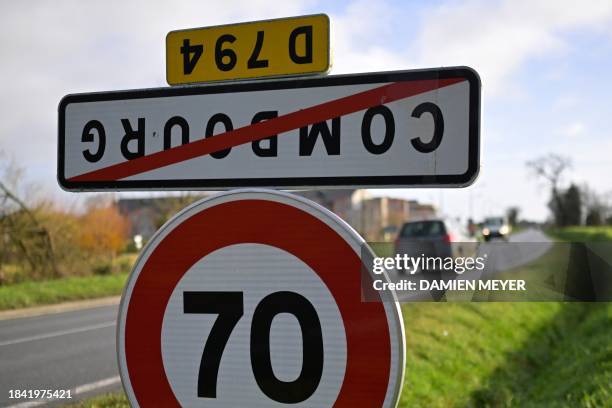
{"x":594,"y":205}
{"x":22,"y":235}
{"x":513,"y":214}
{"x":551,"y":168}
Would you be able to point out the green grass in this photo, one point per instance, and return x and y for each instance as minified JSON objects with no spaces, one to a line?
{"x":508,"y":354}
{"x":117,"y":400}
{"x":36,"y":293}
{"x":453,"y":349}
{"x":581,"y":234}
{"x":546,"y":278}
{"x":28,"y":294}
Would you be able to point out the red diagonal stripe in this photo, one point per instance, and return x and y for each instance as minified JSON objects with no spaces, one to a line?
{"x":315,"y":114}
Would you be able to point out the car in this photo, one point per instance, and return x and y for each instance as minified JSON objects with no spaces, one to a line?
{"x":434,"y":238}
{"x":495,"y":227}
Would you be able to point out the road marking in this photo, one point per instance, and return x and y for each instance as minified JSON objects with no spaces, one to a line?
{"x":29,"y":404}
{"x":261,"y":130}
{"x":81,"y":389}
{"x":58,"y":333}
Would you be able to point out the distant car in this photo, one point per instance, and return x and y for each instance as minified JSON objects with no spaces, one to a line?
{"x":434,"y":238}
{"x":495,"y":227}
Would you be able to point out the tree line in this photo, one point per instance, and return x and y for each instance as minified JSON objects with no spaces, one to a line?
{"x":574,"y":204}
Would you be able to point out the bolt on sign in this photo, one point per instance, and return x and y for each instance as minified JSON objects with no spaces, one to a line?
{"x":389,"y":129}
{"x":258,"y":49}
{"x":252,"y":299}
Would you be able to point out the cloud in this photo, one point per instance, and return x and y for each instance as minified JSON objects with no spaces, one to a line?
{"x":565,"y":102}
{"x":574,"y":129}
{"x":52,"y":48}
{"x":497,"y":38}
{"x":362,"y":39}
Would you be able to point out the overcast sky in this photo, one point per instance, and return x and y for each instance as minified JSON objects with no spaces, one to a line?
{"x":544,"y":66}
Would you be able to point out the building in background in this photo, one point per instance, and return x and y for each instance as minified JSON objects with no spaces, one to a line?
{"x":381,"y":217}
{"x":375,"y":218}
{"x":339,"y":201}
{"x":141,"y":214}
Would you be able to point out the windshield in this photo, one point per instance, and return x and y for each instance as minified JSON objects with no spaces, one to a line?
{"x":423,"y":229}
{"x":494,"y":221}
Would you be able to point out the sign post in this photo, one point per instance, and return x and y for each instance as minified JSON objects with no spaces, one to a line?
{"x":252,"y":298}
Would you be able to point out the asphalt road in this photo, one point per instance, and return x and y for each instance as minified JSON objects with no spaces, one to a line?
{"x":76,"y":350}
{"x":525,"y":247}
{"x":72,"y":350}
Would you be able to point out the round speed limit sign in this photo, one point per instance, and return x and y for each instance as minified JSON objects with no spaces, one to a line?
{"x":252,"y":298}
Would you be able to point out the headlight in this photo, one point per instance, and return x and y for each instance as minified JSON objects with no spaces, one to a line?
{"x":504,"y":230}
{"x":486,"y":231}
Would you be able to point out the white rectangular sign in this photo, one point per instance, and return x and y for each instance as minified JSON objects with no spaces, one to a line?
{"x":390,"y":129}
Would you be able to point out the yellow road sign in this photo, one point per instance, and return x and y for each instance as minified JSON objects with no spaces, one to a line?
{"x":287,"y":46}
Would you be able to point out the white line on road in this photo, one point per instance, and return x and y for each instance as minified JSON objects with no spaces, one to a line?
{"x":81,"y":389}
{"x":58,"y":333}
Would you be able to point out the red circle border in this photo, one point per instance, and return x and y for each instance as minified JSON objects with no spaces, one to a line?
{"x":267,"y":222}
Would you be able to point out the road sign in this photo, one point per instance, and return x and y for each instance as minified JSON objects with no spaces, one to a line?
{"x":252,"y":298}
{"x":408,"y":128}
{"x":287,"y":46}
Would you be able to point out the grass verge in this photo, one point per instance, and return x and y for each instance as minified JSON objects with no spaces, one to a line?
{"x":117,"y":400}
{"x":581,"y":234}
{"x":508,"y":355}
{"x":37,"y":293}
{"x":27,"y":294}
